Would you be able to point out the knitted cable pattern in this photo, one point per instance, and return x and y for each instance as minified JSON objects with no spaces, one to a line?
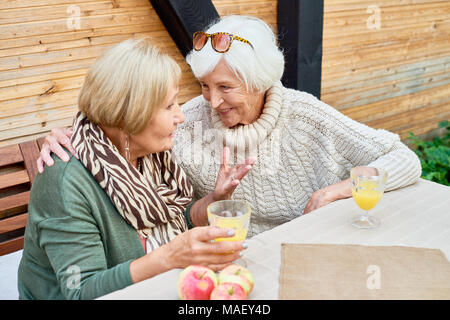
{"x":303,"y":145}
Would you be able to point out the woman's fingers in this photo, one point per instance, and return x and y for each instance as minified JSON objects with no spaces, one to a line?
{"x":203,"y":250}
{"x":209,"y":233}
{"x":242,"y":169}
{"x":225,"y":157}
{"x":45,"y":154}
{"x":218,"y":267}
{"x":56,"y":148}
{"x":40,"y":165}
{"x":63,"y":138}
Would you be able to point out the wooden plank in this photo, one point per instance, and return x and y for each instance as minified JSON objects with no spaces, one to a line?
{"x":382,"y":108}
{"x":392,"y":57}
{"x":13,"y":178}
{"x":37,"y":103}
{"x":406,"y":119}
{"x":62,"y":37}
{"x":27,"y":122}
{"x":424,"y":31}
{"x":23,"y":138}
{"x":375,"y":55}
{"x":419,"y":67}
{"x":346,"y":96}
{"x":43,"y":77}
{"x":12,"y":4}
{"x":22,"y":134}
{"x":30,"y":153}
{"x":10,"y":155}
{"x":31,"y":60}
{"x":38,"y":73}
{"x":11,"y":245}
{"x":89,"y":49}
{"x":254,"y":8}
{"x":41,"y":88}
{"x":14,"y":204}
{"x":422,"y":127}
{"x":389,"y":18}
{"x":347,"y":5}
{"x":39,"y":28}
{"x":30,"y":14}
{"x":13,"y":223}
{"x":381,"y":94}
{"x":40,"y":142}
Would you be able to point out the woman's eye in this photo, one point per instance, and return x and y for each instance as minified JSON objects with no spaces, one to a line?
{"x":225,"y":87}
{"x":204,"y":86}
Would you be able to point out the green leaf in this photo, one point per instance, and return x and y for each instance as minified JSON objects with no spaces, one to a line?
{"x":439,"y":155}
{"x":444,"y":124}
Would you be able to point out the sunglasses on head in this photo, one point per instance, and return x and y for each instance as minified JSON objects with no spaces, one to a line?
{"x":220,"y":41}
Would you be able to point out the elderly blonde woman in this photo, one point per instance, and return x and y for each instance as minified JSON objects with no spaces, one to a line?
{"x":304,"y":148}
{"x":92,"y":221}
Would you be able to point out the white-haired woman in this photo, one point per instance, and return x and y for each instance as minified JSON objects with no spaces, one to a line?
{"x":304,"y":148}
{"x":116,"y":216}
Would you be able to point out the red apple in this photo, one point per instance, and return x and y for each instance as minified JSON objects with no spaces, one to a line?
{"x":196,"y":283}
{"x":237,"y":274}
{"x":228,"y":291}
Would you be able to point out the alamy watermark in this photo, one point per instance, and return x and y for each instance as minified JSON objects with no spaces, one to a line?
{"x":73,"y":281}
{"x":203,"y":147}
{"x":73,"y":22}
{"x":374,"y":280}
{"x":373,"y":22}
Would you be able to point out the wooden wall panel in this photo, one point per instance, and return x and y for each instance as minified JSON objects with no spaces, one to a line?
{"x":43,"y":62}
{"x":396,"y":76}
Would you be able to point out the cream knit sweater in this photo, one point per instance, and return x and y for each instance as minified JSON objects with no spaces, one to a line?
{"x":301,"y":145}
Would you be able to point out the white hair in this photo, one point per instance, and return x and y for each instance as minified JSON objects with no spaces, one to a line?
{"x":258,"y":68}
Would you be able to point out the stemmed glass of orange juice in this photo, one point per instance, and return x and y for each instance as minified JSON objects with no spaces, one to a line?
{"x":231,"y":214}
{"x":367,"y":188}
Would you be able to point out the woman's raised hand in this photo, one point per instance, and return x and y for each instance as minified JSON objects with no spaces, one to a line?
{"x":195,"y":247}
{"x":58,"y":137}
{"x":229,"y":178}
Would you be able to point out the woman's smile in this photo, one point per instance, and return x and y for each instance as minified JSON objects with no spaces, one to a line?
{"x":224,"y":112}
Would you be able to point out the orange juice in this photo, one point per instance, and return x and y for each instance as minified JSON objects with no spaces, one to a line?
{"x":367,"y":195}
{"x":240,"y":232}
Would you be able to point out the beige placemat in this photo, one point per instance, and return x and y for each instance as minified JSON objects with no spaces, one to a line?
{"x":329,"y":271}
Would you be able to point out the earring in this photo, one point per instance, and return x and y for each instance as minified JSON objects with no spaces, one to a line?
{"x":127,"y":148}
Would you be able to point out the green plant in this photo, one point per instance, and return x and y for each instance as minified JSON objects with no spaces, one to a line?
{"x":434,"y":155}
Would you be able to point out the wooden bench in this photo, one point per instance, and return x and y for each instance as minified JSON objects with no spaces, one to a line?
{"x":17,"y":171}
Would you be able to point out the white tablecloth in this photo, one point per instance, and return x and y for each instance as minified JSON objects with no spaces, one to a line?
{"x":418,"y":215}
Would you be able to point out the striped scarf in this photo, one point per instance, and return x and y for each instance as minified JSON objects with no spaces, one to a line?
{"x":152,"y":202}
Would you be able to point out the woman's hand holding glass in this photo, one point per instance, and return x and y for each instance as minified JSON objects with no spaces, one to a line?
{"x":196,"y":247}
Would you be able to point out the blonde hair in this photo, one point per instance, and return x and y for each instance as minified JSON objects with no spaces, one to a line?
{"x":258,"y":68}
{"x":127,"y":84}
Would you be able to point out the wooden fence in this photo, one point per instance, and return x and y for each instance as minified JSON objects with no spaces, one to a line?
{"x":391,"y":75}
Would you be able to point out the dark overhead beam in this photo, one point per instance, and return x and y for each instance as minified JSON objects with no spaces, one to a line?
{"x":183,"y":17}
{"x":300,"y":25}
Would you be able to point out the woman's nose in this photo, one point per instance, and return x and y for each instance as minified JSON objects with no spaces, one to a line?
{"x":179,"y":118}
{"x":215,"y":99}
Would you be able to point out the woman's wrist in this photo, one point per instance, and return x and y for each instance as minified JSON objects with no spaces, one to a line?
{"x":152,"y":264}
{"x":340,"y":190}
{"x":198,"y":213}
{"x":218,"y":197}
